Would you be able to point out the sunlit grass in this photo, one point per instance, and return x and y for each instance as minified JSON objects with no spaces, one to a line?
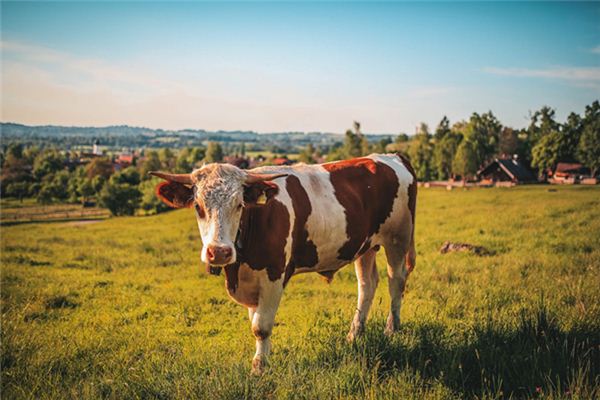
{"x":123,"y":309}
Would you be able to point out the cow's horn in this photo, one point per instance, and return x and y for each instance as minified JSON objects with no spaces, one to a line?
{"x":186,"y":179}
{"x":254,"y":178}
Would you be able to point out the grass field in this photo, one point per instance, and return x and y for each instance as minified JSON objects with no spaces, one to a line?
{"x":16,"y":212}
{"x":122,"y":309}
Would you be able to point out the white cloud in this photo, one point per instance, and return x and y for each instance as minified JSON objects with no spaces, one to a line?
{"x":595,"y":50}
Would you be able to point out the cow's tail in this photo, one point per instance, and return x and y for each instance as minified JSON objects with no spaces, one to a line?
{"x":411,"y":255}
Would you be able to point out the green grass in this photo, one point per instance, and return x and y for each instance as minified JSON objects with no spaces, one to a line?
{"x":123,"y":309}
{"x":14,"y":211}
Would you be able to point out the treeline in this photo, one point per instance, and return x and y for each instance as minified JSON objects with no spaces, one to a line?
{"x":459,"y":150}
{"x":451,"y":151}
{"x":51,"y":176}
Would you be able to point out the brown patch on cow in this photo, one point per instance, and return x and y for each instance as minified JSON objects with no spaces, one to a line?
{"x":254,"y":191}
{"x":365,"y":247}
{"x":175,"y":195}
{"x":366,"y":189}
{"x":263,"y":234}
{"x":260,"y":334}
{"x":231,"y":277}
{"x":304,"y":251}
{"x":242,"y":285}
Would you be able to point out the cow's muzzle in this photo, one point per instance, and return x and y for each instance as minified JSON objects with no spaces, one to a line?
{"x":219,"y":256}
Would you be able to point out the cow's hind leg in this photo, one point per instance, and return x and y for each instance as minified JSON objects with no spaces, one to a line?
{"x":263,"y":319}
{"x":400,"y":261}
{"x":367,"y":277}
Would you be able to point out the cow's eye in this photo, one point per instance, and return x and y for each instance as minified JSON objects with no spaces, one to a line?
{"x":199,"y":210}
{"x":239,"y":206}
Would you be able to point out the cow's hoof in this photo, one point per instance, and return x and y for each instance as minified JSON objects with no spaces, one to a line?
{"x":391,"y":327}
{"x":353,"y":335}
{"x":258,"y":366}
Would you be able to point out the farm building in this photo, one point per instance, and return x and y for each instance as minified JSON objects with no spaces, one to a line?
{"x":510,"y":171}
{"x":569,"y":172}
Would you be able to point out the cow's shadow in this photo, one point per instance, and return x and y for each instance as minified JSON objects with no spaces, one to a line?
{"x":531,"y":355}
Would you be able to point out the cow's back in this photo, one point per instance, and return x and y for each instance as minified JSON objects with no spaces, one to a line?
{"x":339,"y":210}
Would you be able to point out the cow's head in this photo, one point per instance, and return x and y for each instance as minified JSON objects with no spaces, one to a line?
{"x":218,"y":192}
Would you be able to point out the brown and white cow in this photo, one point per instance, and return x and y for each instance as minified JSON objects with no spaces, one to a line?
{"x":267,"y":224}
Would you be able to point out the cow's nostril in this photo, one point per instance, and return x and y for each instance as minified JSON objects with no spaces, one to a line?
{"x":227,"y":252}
{"x":210,"y":253}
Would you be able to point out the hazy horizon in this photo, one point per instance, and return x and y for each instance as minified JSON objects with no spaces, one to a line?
{"x":302,"y":67}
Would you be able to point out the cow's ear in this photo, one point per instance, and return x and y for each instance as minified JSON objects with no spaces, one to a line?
{"x":259,"y":193}
{"x":174,"y":194}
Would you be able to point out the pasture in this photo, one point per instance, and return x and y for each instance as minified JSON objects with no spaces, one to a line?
{"x":122,"y":308}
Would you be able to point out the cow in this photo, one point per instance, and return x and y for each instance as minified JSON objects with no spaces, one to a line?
{"x":265,"y":225}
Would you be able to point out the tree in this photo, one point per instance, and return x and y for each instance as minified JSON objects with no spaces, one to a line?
{"x":47,"y":162}
{"x":547,"y":152}
{"x":54,"y":188}
{"x":307,"y":154}
{"x":483,"y":132}
{"x":167,"y":159}
{"x":465,"y":160}
{"x":542,"y":123}
{"x":381,"y":146}
{"x":442,"y":129}
{"x":402,"y":138}
{"x":214,"y":152}
{"x":588,"y":149}
{"x":151,"y":163}
{"x":119,"y":195}
{"x":100,"y":166}
{"x":150,"y":201}
{"x":18,"y":190}
{"x":555,"y":143}
{"x":420,"y":153}
{"x":443,"y":154}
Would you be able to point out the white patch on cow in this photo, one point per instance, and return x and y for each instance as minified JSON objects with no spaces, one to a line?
{"x":263,"y":317}
{"x":284,"y":197}
{"x":400,"y":211}
{"x":326,"y":224}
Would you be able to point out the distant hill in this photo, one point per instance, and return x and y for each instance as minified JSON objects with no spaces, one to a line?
{"x":132,"y":136}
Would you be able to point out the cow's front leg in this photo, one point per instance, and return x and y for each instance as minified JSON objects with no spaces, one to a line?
{"x":263,"y":320}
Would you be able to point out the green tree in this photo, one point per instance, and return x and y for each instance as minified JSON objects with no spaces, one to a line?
{"x":420,"y":153}
{"x":119,"y":195}
{"x":54,"y":188}
{"x":214,"y":152}
{"x":151,"y":163}
{"x":167,"y":159}
{"x":589,"y":143}
{"x":307,"y":154}
{"x":48,"y":162}
{"x":483,"y":132}
{"x":542,"y":123}
{"x":465,"y":160}
{"x":442,"y":129}
{"x":18,"y":190}
{"x":382,"y":145}
{"x":149,"y":201}
{"x":100,"y":166}
{"x":443,"y":154}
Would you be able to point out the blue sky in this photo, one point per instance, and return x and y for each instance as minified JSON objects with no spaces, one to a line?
{"x":295,"y":66}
